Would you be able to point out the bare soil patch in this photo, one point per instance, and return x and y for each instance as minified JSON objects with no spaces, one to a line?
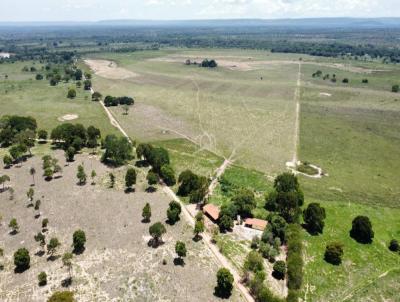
{"x":325,"y":94}
{"x":68,"y":117}
{"x":109,"y":69}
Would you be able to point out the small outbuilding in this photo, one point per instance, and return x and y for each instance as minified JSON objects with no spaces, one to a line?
{"x":255,"y":223}
{"x":211,"y":211}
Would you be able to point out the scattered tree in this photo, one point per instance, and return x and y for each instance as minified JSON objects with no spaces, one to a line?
{"x":67,"y":261}
{"x":22,"y":259}
{"x":180,"y":250}
{"x":13,"y":225}
{"x":64,"y":296}
{"x":156,"y":231}
{"x":112,"y":180}
{"x":70,"y":153}
{"x":81,"y":175}
{"x":71,"y":93}
{"x":394,"y":245}
{"x":30,"y":193}
{"x":361,"y":230}
{"x":7,"y":160}
{"x":314,"y":217}
{"x":130,"y":178}
{"x":173,"y":212}
{"x":79,"y":240}
{"x":395,"y":88}
{"x":41,"y":239}
{"x":45,"y":222}
{"x":224,"y":283}
{"x":32,"y":171}
{"x":42,"y":278}
{"x":198,"y":228}
{"x":334,"y":253}
{"x":52,"y":246}
{"x":146,"y":213}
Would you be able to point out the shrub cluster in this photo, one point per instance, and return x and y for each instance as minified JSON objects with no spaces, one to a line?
{"x":115,"y":101}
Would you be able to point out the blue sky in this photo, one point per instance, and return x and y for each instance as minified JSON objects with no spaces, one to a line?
{"x":93,"y":10}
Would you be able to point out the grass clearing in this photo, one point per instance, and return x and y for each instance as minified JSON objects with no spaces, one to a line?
{"x":23,"y":95}
{"x":363,"y":266}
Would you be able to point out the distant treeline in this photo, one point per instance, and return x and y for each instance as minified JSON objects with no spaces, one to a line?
{"x":63,"y":45}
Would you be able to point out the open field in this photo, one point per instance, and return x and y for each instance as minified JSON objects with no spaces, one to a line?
{"x":353,"y":135}
{"x":117,"y":264}
{"x":368,"y":273}
{"x":229,"y":112}
{"x":23,"y":95}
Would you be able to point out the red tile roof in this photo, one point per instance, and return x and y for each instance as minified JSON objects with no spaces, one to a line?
{"x":256,"y":223}
{"x":211,"y":210}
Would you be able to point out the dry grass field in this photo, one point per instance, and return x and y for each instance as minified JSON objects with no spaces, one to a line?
{"x":118,"y":264}
{"x":246,"y":111}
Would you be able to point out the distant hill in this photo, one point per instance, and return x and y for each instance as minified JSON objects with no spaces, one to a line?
{"x":277,"y":23}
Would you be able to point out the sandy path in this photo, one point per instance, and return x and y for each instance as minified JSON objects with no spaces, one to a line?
{"x":297,"y":120}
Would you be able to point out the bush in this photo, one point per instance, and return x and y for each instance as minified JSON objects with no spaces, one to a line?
{"x":71,"y":93}
{"x":334,"y":253}
{"x":254,"y":262}
{"x":64,"y":296}
{"x":42,"y":278}
{"x":22,"y":259}
{"x":279,"y":270}
{"x":365,"y":81}
{"x":345,"y":80}
{"x":394,"y":245}
{"x":361,"y":230}
{"x":395,"y":88}
{"x":79,"y":240}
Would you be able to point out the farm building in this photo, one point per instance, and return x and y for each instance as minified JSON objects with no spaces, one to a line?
{"x":211,"y":211}
{"x":255,"y":223}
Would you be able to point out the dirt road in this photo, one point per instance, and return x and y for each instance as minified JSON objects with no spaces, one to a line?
{"x":213,"y":248}
{"x":297,"y":120}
